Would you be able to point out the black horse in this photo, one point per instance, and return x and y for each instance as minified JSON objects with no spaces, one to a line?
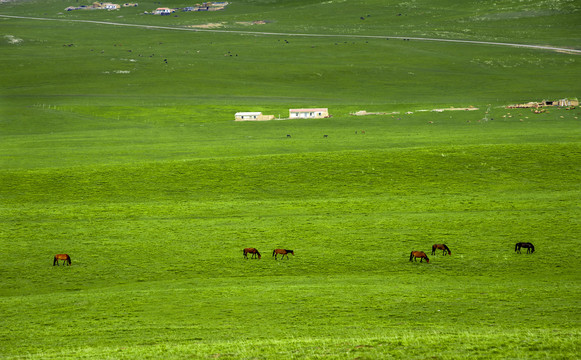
{"x":530,"y":247}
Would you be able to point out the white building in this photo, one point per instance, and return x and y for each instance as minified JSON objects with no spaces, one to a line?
{"x":163,"y":11}
{"x":309,"y":113}
{"x":252,"y":116}
{"x":110,"y":6}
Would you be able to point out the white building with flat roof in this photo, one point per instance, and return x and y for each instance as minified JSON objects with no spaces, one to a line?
{"x":309,"y":113}
{"x":252,"y":116}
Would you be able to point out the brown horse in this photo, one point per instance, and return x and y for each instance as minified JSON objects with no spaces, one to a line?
{"x":440,"y":247}
{"x":530,"y":247}
{"x":64,"y":257}
{"x":419,"y":254}
{"x":282,"y":252}
{"x":252,"y":251}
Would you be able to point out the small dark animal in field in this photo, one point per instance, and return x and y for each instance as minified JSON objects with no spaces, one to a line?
{"x":441,"y":247}
{"x":282,"y":252}
{"x":64,"y":257}
{"x":325,"y":136}
{"x":253,"y":251}
{"x":530,"y":247}
{"x":419,"y":254}
{"x":288,"y":135}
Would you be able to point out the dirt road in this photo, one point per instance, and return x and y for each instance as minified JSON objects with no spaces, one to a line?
{"x":254,"y":33}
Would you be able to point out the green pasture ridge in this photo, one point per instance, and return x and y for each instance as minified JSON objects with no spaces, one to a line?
{"x":118,"y":146}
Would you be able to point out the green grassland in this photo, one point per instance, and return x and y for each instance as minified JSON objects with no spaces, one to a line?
{"x":118,"y":146}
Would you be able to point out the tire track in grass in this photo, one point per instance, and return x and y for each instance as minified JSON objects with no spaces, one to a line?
{"x":254,"y":33}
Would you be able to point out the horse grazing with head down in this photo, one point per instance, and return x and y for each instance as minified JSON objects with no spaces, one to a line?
{"x":530,"y":247}
{"x":252,"y":251}
{"x":414,"y":255}
{"x":282,"y":252}
{"x":64,"y":257}
{"x":440,"y":247}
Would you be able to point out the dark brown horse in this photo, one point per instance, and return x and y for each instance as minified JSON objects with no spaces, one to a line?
{"x":282,"y":252}
{"x":419,"y":254}
{"x":252,"y":251}
{"x":440,"y":247}
{"x":64,"y":257}
{"x":530,"y":247}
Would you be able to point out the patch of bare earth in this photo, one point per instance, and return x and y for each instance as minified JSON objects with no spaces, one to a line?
{"x":207,"y":26}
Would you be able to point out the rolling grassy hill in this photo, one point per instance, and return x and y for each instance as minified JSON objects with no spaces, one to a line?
{"x":118,"y":146}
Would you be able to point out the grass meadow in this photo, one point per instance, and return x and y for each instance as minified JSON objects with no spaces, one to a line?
{"x":118,"y":146}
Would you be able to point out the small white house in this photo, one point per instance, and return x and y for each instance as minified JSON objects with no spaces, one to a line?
{"x":309,"y":113}
{"x":163,"y":11}
{"x":110,"y":6}
{"x":252,"y":116}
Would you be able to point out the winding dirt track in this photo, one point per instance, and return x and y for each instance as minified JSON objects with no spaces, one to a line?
{"x":255,"y":33}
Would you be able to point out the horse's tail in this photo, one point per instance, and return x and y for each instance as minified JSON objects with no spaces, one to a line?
{"x":273,"y":251}
{"x":516,"y":247}
{"x":55,"y":261}
{"x":448,"y":249}
{"x":411,"y":255}
{"x":69,"y":259}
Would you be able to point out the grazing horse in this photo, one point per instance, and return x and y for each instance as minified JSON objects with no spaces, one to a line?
{"x":419,"y":254}
{"x":441,"y":247}
{"x":252,"y":251}
{"x":530,"y":247}
{"x":64,"y":257}
{"x":282,"y":252}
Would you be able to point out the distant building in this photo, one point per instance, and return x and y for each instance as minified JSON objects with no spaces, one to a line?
{"x":309,"y":113}
{"x":163,"y":11}
{"x":110,"y":6}
{"x":252,"y":116}
{"x":96,"y":6}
